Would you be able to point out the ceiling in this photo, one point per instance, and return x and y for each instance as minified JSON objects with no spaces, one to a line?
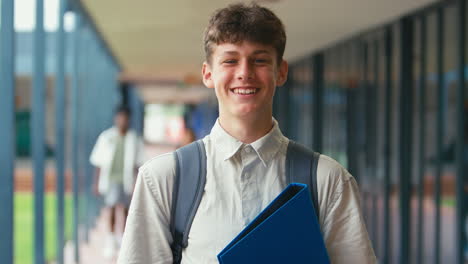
{"x":161,"y":41}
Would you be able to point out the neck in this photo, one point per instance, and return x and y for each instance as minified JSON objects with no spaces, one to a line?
{"x":246,"y":130}
{"x":122,"y":132}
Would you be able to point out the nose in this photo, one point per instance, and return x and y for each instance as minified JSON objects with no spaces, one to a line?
{"x":245,"y":71}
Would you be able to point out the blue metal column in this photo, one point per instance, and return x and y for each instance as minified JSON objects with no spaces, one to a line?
{"x":366,"y":105}
{"x":318,"y":98}
{"x":351,"y":128}
{"x":461,"y":148}
{"x":290,"y":113}
{"x":387,"y":143}
{"x":422,"y":138}
{"x":351,"y":113}
{"x":137,"y":111}
{"x":406,"y":128}
{"x":7,"y":129}
{"x":75,"y":135}
{"x":89,"y":94}
{"x":373,"y":159}
{"x":276,"y":105}
{"x":439,"y":131}
{"x":97,"y":126}
{"x":38,"y":132}
{"x":141,"y":116}
{"x":60,"y":131}
{"x":284,"y":94}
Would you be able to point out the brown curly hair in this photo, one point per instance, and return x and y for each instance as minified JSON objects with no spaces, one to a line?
{"x":240,"y":22}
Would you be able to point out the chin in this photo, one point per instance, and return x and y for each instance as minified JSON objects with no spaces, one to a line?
{"x":245,"y":109}
{"x":246,"y":112}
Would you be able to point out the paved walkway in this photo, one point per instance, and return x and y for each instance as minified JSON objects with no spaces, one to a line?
{"x":91,"y":252}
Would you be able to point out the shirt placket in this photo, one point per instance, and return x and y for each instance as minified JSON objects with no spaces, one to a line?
{"x":249,"y":188}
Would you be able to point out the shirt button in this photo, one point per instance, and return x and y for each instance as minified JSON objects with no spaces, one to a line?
{"x":248,"y":150}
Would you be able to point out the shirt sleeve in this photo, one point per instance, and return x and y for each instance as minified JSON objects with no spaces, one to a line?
{"x":97,"y":155}
{"x":147,"y":237}
{"x":342,"y":223}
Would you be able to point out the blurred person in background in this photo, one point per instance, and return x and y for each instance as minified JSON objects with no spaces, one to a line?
{"x":116,"y":156}
{"x":188,"y":137}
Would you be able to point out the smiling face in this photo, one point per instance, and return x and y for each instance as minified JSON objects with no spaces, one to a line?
{"x":244,"y":77}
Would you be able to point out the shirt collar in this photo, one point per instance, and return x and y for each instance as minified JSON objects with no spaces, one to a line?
{"x":224,"y":143}
{"x":266,"y":147}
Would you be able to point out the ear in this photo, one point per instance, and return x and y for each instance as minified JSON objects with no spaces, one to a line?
{"x":206,"y":74}
{"x":282,"y":75}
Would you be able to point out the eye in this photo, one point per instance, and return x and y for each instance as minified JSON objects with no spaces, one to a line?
{"x":261,"y":61}
{"x":230,"y":61}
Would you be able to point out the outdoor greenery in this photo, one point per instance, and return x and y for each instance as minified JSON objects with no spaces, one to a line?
{"x":23,"y":225}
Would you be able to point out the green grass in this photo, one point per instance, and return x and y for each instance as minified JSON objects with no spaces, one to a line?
{"x":23,"y":233}
{"x":448,"y":201}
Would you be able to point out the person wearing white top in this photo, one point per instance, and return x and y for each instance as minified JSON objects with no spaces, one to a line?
{"x":244,"y":46}
{"x":116,"y":155}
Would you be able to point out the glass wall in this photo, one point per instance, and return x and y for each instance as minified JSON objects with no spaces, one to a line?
{"x":365,"y":123}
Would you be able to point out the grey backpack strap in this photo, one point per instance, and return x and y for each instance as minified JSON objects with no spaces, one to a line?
{"x":188,"y":190}
{"x":301,"y":166}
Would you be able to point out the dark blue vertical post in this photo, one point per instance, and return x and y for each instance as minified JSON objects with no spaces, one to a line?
{"x":60,"y":131}
{"x":373,"y":171}
{"x":461,"y":148}
{"x":135,"y":106}
{"x":317,"y":95}
{"x":89,"y":94}
{"x":351,"y":129}
{"x":284,"y":94}
{"x":351,"y":117}
{"x":38,"y":132}
{"x":97,"y":126}
{"x":84,"y":89}
{"x":290,"y":104}
{"x":75,"y":134}
{"x":7,"y":129}
{"x":366,"y":139}
{"x":276,"y":104}
{"x":439,"y":130}
{"x":81,"y":115}
{"x":139,"y":115}
{"x":387,"y":143}
{"x":406,"y":125}
{"x":422,"y":138}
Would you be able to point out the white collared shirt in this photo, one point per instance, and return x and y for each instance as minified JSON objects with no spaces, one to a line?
{"x":103,"y":154}
{"x":242,"y":179}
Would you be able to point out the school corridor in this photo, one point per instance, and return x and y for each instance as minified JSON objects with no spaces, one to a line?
{"x":380,"y":86}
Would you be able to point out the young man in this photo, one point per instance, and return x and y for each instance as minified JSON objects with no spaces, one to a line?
{"x":245,"y":152}
{"x":116,"y":155}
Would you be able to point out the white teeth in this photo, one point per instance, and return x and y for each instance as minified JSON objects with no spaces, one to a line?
{"x":244,"y":91}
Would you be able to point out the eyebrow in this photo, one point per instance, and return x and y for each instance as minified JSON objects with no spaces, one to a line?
{"x":261,"y":52}
{"x":254,"y":53}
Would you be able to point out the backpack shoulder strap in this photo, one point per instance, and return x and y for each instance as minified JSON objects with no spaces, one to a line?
{"x":188,"y":189}
{"x":301,"y":166}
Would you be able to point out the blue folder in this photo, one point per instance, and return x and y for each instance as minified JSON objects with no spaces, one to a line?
{"x":286,"y":231}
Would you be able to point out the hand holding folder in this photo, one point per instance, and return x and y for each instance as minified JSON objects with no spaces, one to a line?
{"x":286,"y":231}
